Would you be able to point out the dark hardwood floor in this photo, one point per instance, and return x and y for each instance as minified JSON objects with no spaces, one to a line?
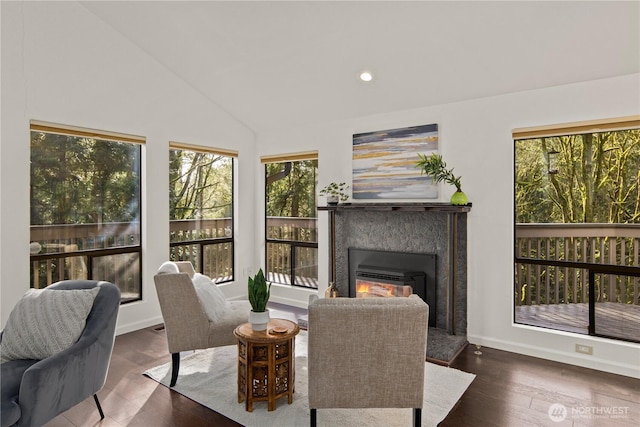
{"x":509,"y":390}
{"x":516,"y":390}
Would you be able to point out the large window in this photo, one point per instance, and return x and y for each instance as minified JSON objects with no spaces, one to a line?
{"x":291,"y":220}
{"x":85,"y":207}
{"x":201,"y":209}
{"x":577,"y":228}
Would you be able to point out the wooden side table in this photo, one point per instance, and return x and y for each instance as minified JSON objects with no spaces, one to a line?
{"x":266,"y":363}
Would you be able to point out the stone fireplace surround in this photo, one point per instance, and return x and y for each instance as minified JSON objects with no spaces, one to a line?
{"x":429,"y":228}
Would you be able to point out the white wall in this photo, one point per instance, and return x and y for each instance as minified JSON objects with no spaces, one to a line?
{"x":61,"y":64}
{"x":475,"y":138}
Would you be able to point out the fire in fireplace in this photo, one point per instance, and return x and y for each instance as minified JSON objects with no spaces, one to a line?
{"x":376,"y":282}
{"x":383,"y":274}
{"x":365,"y":289}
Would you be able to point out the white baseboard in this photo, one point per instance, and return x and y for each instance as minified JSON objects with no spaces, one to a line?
{"x":585,"y":361}
{"x":136,"y":326}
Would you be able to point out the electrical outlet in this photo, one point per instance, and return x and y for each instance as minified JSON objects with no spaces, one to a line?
{"x":584,"y":349}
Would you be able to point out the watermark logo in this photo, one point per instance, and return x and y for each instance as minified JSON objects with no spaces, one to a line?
{"x":557,"y":412}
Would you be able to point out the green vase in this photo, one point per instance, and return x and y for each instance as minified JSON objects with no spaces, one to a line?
{"x":459,"y":198}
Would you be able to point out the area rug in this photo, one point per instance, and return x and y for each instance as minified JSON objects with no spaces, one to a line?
{"x":209,"y":377}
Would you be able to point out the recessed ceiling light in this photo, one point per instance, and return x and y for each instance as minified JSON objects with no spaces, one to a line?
{"x":366,"y":76}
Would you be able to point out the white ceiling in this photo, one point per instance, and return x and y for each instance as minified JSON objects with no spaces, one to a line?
{"x":277,"y":65}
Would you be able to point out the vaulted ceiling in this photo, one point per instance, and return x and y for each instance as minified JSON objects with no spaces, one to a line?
{"x":276,"y":65}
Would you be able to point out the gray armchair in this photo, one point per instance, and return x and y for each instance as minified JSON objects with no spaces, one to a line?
{"x":35,"y":391}
{"x":367,"y":353}
{"x":185,"y":321}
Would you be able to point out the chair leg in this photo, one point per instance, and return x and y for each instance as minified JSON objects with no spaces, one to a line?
{"x":313,"y":418}
{"x":95,"y":397}
{"x":417,"y":417}
{"x":175,"y":367}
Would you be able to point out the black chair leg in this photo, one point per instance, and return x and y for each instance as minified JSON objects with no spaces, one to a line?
{"x":313,"y":418}
{"x":417,"y":417}
{"x":175,"y":367}
{"x":95,"y":397}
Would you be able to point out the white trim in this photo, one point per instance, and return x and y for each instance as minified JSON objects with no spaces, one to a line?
{"x":549,"y":353}
{"x":135,"y":326}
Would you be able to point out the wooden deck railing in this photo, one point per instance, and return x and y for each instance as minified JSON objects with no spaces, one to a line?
{"x":292,"y":246}
{"x":207,"y":244}
{"x":107,"y":251}
{"x":604,"y":244}
{"x":71,"y":251}
{"x":191,"y":229}
{"x":292,"y":250}
{"x":57,"y":238}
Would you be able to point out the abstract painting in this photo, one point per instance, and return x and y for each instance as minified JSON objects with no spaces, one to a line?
{"x":384,"y":163}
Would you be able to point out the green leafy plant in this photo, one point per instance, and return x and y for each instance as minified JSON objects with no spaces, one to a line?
{"x":259,"y":292}
{"x":336,"y":189}
{"x":436,"y":168}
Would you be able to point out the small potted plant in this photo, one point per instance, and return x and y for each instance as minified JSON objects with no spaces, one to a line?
{"x":258,"y":297}
{"x":335,"y":192}
{"x":436,"y":168}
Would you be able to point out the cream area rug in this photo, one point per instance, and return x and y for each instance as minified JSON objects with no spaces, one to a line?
{"x":210,"y":378}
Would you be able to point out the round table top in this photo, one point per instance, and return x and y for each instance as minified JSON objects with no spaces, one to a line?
{"x":277,"y":330}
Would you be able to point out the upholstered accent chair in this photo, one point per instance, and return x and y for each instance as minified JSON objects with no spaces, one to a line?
{"x":36,"y":391}
{"x":186,"y":323}
{"x":367,"y":353}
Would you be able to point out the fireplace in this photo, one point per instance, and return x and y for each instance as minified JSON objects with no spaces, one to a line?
{"x":385,"y":274}
{"x":437,"y":229}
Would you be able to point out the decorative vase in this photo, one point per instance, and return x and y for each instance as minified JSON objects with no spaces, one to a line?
{"x":459,"y":198}
{"x":259,"y":320}
{"x":332,"y":200}
{"x":332,"y":291}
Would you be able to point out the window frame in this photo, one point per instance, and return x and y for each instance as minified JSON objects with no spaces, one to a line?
{"x":590,"y":270}
{"x":92,"y":255}
{"x":293,"y":244}
{"x":202,"y":244}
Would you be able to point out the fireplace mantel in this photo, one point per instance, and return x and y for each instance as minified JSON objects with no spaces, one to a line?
{"x":409,"y":207}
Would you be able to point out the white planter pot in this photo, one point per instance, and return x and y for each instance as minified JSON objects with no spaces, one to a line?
{"x":332,"y":200}
{"x":259,"y":320}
